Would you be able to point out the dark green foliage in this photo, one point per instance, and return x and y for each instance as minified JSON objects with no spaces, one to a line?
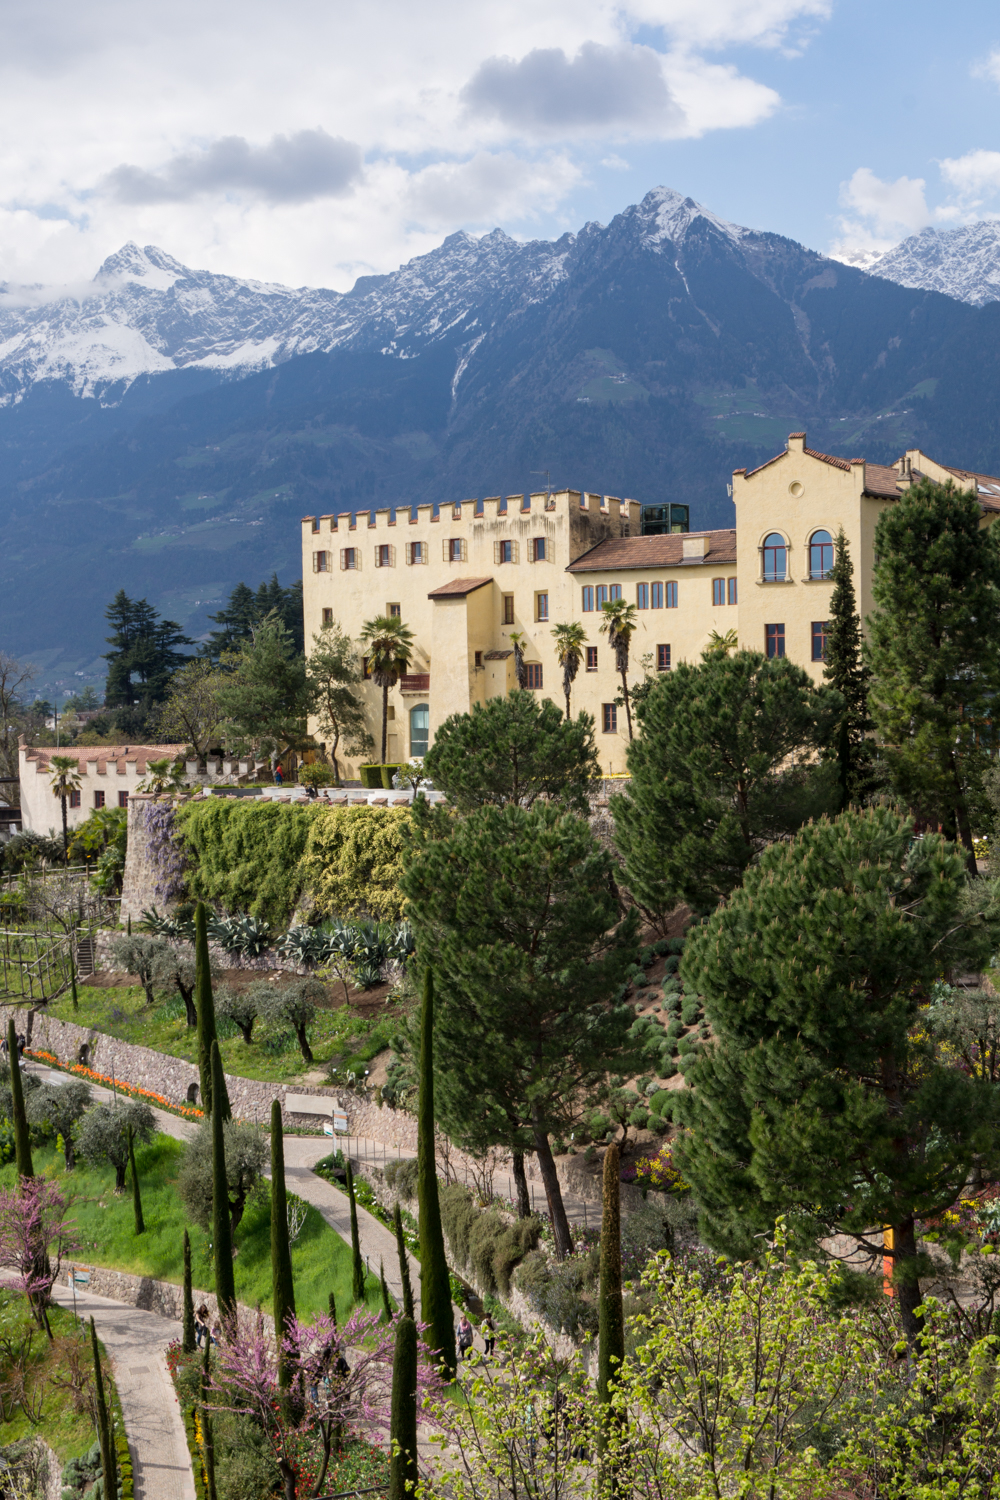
{"x":384,"y":1288}
{"x":143,"y":655}
{"x":846,"y":671}
{"x":563,"y":1292}
{"x":246,"y":1162}
{"x":104,"y":1134}
{"x":245,"y":610}
{"x":531,"y":949}
{"x":511,"y":751}
{"x":264,"y":695}
{"x":207,"y":1423}
{"x":22,"y":1139}
{"x":825,"y":1096}
{"x":482,"y":1242}
{"x":140,"y":1223}
{"x":244,"y":854}
{"x":934,"y":651}
{"x":403,"y":1416}
{"x":332,"y":1307}
{"x":108,"y":1467}
{"x":187,"y":1335}
{"x":222,"y":1237}
{"x":435,"y":1286}
{"x":358,"y":1265}
{"x":402,"y":1175}
{"x":370,"y":775}
{"x":283,"y":1286}
{"x":404,"y":1264}
{"x":725,"y":763}
{"x":611,"y":1327}
{"x":204,"y":1005}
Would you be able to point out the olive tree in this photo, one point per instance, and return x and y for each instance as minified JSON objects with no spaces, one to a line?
{"x":247,"y":1156}
{"x":59,"y":1106}
{"x":143,"y":956}
{"x":104,"y":1134}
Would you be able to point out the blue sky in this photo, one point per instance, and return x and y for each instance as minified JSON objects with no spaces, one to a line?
{"x":312,"y":142}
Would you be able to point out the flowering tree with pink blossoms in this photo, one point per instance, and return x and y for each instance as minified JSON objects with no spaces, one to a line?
{"x":343,"y":1385}
{"x":34,"y":1237}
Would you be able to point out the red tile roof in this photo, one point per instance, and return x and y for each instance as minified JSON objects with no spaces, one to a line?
{"x":655,"y":552}
{"x":983,"y":483}
{"x":123,"y":754}
{"x":458,"y":588}
{"x":880,"y":479}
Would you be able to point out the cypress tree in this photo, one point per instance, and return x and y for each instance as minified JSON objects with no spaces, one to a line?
{"x":225,"y":1282}
{"x":208,"y":1435}
{"x":205,"y":1006}
{"x":357,"y":1264}
{"x":140,"y":1223}
{"x":187,"y":1337}
{"x":403,"y":1416}
{"x":331,"y":1303}
{"x":22,"y":1139}
{"x":72,"y":981}
{"x":435,"y":1285}
{"x":847,"y":671}
{"x":386,"y":1302}
{"x":108,"y":1465}
{"x":404,"y":1265}
{"x":282,"y":1284}
{"x":611,"y":1315}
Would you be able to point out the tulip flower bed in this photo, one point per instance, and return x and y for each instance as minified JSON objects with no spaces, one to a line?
{"x":130,"y":1090}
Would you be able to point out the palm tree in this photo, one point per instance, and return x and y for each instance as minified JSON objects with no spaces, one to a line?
{"x":389,"y":646}
{"x":570,"y":641}
{"x":620,"y":623}
{"x":65,"y":779}
{"x":720,"y":645}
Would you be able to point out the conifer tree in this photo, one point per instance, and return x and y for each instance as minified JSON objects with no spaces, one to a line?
{"x":140,"y":1223}
{"x":611,"y":1316}
{"x":404,"y":1264}
{"x":22,"y":1138}
{"x":846,"y":671}
{"x":934,"y":652}
{"x":222,"y":1235}
{"x":188,"y":1343}
{"x":826,"y":1096}
{"x":357,"y":1263}
{"x":435,"y":1284}
{"x":109,"y":1468}
{"x":282,"y":1283}
{"x":331,"y":1303}
{"x":205,"y":1007}
{"x":206,"y":1421}
{"x":403,"y":1413}
{"x":384,"y":1285}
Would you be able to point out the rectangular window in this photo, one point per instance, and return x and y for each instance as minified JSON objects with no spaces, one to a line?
{"x":718,"y":591}
{"x":642,"y":596}
{"x":616,"y":591}
{"x":671,"y":596}
{"x":656,"y":596}
{"x":416,"y":552}
{"x":534,"y":674}
{"x":123,"y":799}
{"x":383,"y":556}
{"x":663,"y":658}
{"x":349,"y":557}
{"x":820,"y":636}
{"x":505,"y":552}
{"x":602,"y":595}
{"x":588,"y":599}
{"x":541,"y":606}
{"x":732,"y":590}
{"x":591,"y":658}
{"x":538,"y":552}
{"x":74,"y":799}
{"x":508,"y":609}
{"x":98,"y":799}
{"x":328,"y":617}
{"x":479,"y":658}
{"x":321,"y":562}
{"x":454,"y":549}
{"x":394,"y":611}
{"x":609,"y":718}
{"x":775,"y":638}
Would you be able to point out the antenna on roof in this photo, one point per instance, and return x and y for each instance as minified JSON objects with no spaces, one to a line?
{"x":548,"y":481}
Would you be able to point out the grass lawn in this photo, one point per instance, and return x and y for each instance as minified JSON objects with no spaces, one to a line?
{"x":352,"y":1035}
{"x":69,"y":1432}
{"x":321,"y":1261}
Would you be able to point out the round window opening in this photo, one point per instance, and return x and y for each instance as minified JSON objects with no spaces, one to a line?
{"x":795,"y":488}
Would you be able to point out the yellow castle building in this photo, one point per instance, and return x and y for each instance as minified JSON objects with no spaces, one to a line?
{"x":463,"y":576}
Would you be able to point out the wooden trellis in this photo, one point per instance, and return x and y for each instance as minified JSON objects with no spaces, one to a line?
{"x":35,"y":966}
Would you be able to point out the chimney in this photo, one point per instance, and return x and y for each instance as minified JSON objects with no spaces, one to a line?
{"x":796,"y":442}
{"x":694,"y":548}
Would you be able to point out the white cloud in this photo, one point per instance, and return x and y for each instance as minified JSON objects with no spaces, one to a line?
{"x":487,"y":187}
{"x":975,"y":176}
{"x":601,"y":88}
{"x":989,"y":67}
{"x":886,"y":211}
{"x":289,"y":169}
{"x":781,"y":24}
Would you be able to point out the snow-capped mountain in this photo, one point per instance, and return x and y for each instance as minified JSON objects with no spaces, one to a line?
{"x":962,"y":263}
{"x":146,"y":313}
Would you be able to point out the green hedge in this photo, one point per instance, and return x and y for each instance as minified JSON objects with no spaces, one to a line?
{"x":126,"y":1482}
{"x":373,"y":776}
{"x":246,"y":855}
{"x":353,"y":860}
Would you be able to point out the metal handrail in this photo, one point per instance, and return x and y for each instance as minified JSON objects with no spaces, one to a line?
{"x":376,"y":1489}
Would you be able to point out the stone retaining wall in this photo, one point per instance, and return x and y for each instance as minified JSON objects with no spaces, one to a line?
{"x":160,"y":1297}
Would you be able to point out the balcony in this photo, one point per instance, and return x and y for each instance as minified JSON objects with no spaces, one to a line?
{"x":415,"y":682}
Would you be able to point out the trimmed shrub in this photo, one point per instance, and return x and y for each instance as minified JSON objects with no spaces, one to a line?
{"x":675,"y":1029}
{"x":659,"y":1101}
{"x":371,"y":776}
{"x":352,"y":860}
{"x":691,"y":1010}
{"x":388,"y":775}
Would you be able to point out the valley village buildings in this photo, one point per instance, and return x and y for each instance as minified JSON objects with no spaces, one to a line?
{"x":464,"y":576}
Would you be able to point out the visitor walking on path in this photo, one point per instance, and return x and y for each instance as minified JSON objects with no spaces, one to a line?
{"x":489,"y":1333}
{"x":201,"y":1323}
{"x":464,"y":1336}
{"x":278,"y":774}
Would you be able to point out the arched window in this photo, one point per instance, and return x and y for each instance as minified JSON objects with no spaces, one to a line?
{"x":420,"y":728}
{"x":775,"y":558}
{"x":820,"y":554}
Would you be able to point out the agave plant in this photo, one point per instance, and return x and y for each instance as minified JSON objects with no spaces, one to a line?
{"x":241,"y":934}
{"x":305,"y":945}
{"x":180,"y":928}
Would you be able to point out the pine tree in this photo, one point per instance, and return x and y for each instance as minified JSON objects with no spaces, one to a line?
{"x":404,"y":1265}
{"x":403,"y":1415}
{"x":611,"y":1315}
{"x":140,"y":1223}
{"x":205,"y":1006}
{"x":222,"y":1236}
{"x":357,"y":1264}
{"x":823,"y":1096}
{"x":384,"y":1286}
{"x":109,"y":1468}
{"x":435,"y":1284}
{"x":22,"y":1137}
{"x":934,"y":652}
{"x":188,"y":1344}
{"x":282,"y":1283}
{"x":847,"y":672}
